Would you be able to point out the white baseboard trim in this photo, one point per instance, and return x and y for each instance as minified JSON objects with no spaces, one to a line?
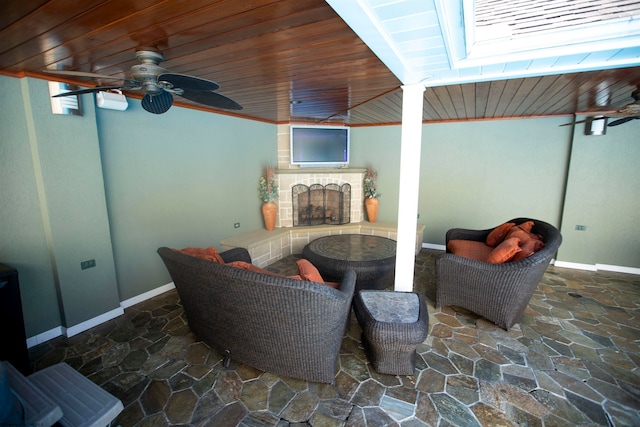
{"x":105,"y":317}
{"x":575,"y":265}
{"x":44,"y":336}
{"x":434,"y":246}
{"x":598,"y":267}
{"x":147,"y":295}
{"x":618,"y":268}
{"x":88,"y":324}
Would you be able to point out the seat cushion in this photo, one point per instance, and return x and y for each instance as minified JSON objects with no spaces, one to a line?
{"x":470,"y":249}
{"x":480,"y":251}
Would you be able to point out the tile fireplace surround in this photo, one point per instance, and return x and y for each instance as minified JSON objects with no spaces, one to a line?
{"x":287,"y":178}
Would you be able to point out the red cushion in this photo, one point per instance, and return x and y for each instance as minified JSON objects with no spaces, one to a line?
{"x":504,"y":251}
{"x":523,"y":232}
{"x":529,"y":248}
{"x":499,"y":233}
{"x":308,"y":271}
{"x":469,"y":249}
{"x":209,"y":254}
{"x":246,"y":266}
{"x":526,"y":226}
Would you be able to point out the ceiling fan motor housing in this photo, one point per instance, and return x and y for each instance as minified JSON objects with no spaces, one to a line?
{"x":148,"y":70}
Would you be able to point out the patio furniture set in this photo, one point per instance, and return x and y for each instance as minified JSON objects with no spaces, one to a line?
{"x":241,"y":312}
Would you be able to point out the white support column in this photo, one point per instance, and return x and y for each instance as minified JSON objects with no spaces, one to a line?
{"x":410,"y":144}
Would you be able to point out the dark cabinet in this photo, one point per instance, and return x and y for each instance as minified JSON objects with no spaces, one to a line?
{"x":13,"y":338}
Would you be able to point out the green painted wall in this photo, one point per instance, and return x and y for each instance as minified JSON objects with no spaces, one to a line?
{"x":603,"y":193}
{"x":178,"y":179}
{"x":473,"y":174}
{"x":23,"y":244}
{"x":477,"y":174}
{"x":66,"y":195}
{"x":379,"y":147}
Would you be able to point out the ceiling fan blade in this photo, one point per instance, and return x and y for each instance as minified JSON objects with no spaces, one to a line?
{"x":583,"y":121}
{"x":157,"y":104}
{"x":211,"y":99}
{"x":190,"y":83}
{"x":85,"y":74}
{"x":622,"y":120}
{"x":95,"y":89}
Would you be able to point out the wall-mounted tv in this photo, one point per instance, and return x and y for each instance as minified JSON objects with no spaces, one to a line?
{"x":319,"y":146}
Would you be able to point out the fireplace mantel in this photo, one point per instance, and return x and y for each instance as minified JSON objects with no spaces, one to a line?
{"x":287,"y":178}
{"x":320,"y":170}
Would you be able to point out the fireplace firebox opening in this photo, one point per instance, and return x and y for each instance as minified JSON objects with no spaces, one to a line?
{"x":321,"y":204}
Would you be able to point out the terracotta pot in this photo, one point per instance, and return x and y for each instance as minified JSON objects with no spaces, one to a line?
{"x":269,"y":213}
{"x":371,"y":205}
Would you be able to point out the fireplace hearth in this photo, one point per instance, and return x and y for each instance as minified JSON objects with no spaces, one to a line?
{"x":321,"y":204}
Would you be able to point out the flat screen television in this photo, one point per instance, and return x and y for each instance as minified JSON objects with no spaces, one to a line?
{"x":319,"y":146}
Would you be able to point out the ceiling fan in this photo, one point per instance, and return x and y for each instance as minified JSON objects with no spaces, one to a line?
{"x":624,"y":114}
{"x":158,"y":84}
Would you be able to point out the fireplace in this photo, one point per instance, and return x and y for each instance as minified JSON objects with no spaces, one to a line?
{"x":321,"y":204}
{"x":289,"y":178}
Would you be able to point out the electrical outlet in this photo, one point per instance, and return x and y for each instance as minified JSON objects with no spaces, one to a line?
{"x":581,"y":227}
{"x":236,"y":225}
{"x":90,"y":263}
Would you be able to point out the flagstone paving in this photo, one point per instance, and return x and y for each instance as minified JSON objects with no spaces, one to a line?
{"x":572,"y":360}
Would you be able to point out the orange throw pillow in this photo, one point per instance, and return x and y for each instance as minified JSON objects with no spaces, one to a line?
{"x":527,"y":226}
{"x":308,"y":271}
{"x":209,"y":254}
{"x":246,"y":266}
{"x":499,"y":233}
{"x":529,"y":248}
{"x":523,"y":232}
{"x":504,"y":251}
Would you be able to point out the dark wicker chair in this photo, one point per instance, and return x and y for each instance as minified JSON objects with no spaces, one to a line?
{"x":286,"y":326}
{"x":497,"y":292}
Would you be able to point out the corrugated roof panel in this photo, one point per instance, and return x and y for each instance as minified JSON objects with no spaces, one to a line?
{"x":524,"y":17}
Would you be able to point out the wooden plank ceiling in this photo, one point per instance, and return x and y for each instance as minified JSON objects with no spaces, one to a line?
{"x":265,"y":54}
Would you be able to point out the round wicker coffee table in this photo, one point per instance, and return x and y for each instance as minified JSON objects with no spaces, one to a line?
{"x":373,"y":258}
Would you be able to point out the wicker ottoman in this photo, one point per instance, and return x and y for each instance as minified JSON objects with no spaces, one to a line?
{"x":393,"y":324}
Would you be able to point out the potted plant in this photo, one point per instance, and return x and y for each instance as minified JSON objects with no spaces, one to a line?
{"x":268,"y":189}
{"x":371,"y":194}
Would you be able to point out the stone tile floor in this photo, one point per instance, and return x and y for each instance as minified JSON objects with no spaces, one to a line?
{"x":572,"y":360}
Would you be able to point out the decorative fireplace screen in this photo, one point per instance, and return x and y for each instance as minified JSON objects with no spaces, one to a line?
{"x":321,"y":204}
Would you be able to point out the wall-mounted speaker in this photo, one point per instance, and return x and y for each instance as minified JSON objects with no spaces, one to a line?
{"x":111,"y":101}
{"x":595,"y":126}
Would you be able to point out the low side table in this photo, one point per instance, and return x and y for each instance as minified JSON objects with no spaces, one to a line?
{"x":373,"y":258}
{"x":393,"y":324}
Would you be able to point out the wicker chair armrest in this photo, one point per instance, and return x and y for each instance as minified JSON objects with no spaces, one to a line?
{"x":236,"y":254}
{"x":348,"y":282}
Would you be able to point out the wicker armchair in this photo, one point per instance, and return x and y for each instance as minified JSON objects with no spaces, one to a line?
{"x":276,"y":324}
{"x":498,"y":292}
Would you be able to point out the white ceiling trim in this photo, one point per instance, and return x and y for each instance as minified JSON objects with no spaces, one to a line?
{"x":420,"y":55}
